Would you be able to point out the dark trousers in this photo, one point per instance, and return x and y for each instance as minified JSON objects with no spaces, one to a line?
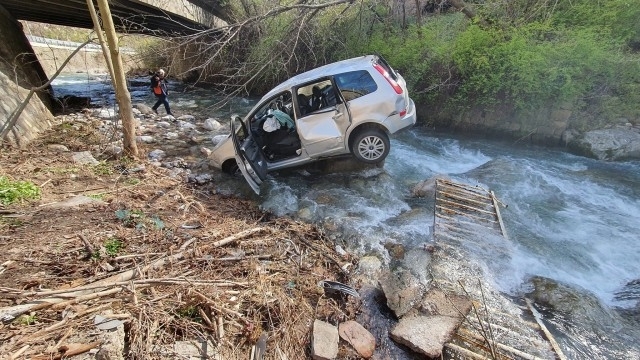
{"x":162,"y":99}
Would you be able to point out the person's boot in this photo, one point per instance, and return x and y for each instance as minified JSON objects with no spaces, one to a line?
{"x":155,"y":110}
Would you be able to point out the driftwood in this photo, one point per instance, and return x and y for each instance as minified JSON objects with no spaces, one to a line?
{"x":9,"y":313}
{"x":68,"y":350}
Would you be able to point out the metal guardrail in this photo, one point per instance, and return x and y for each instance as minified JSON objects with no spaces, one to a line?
{"x":71,"y":45}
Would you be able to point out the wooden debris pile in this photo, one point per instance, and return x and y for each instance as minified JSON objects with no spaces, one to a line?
{"x":170,"y":267}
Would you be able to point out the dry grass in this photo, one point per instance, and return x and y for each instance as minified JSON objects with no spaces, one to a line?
{"x":230,"y":293}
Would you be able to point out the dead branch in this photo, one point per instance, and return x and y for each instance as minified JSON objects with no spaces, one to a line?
{"x":69,"y":350}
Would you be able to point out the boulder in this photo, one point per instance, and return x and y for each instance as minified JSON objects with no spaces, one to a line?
{"x":156,"y":155}
{"x":369,"y":268}
{"x":426,"y":188}
{"x":186,"y":117}
{"x":147,"y":139}
{"x":212,"y":124}
{"x":112,"y":347}
{"x":324,"y":339}
{"x":437,"y":302}
{"x":402,"y":290}
{"x":616,"y":143}
{"x":359,"y":337}
{"x":425,"y":334}
{"x":58,"y":148}
{"x":144,"y":109}
{"x":184,"y":125}
{"x":218,"y":138}
{"x":84,"y":158}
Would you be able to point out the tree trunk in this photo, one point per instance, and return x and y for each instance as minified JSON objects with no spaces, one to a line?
{"x":460,"y":5}
{"x":100,"y":35}
{"x":120,"y":82}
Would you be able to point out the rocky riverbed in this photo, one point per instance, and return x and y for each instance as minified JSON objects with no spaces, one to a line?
{"x":131,"y":213}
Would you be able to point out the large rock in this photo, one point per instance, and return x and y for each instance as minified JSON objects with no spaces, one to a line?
{"x":425,"y":334}
{"x":324,"y":341}
{"x":112,"y":347}
{"x":359,"y":337}
{"x":425,"y":188}
{"x":437,"y":302}
{"x":144,"y":109}
{"x":617,"y":143}
{"x":402,"y":290}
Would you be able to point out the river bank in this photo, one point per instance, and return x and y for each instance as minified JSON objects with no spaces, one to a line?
{"x":206,"y":262}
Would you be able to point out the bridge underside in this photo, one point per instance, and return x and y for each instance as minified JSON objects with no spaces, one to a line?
{"x":130,"y":16}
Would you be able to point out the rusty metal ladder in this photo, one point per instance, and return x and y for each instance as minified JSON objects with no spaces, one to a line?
{"x":461,"y":210}
{"x":460,"y":206}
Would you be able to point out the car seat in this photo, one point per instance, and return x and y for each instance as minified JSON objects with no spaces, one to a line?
{"x":303,"y":104}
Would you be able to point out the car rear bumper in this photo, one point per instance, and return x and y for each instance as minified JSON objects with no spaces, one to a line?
{"x":394,"y":123}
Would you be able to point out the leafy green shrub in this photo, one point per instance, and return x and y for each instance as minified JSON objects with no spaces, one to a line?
{"x":12,"y":191}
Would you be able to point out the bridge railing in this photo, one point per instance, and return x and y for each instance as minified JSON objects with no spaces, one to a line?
{"x":63,"y":44}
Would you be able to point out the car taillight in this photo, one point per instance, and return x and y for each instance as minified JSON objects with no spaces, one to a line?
{"x":403,"y":112}
{"x":393,"y":83}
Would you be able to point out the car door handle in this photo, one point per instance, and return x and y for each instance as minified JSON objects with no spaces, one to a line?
{"x":336,"y":116}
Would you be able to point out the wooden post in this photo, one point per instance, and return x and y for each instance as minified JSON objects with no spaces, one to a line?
{"x":120,"y":82}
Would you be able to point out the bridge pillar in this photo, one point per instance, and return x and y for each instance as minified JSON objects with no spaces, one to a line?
{"x":20,"y":70}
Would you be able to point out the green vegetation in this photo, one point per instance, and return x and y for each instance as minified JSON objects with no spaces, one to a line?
{"x":521,"y":57}
{"x":103,"y":168}
{"x":26,"y":320}
{"x":99,"y":196}
{"x":113,"y":246}
{"x":13,"y":191}
{"x":139,"y":220}
{"x":516,"y":58}
{"x":189,"y":312}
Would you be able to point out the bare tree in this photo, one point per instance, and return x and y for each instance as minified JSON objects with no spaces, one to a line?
{"x":120,"y":82}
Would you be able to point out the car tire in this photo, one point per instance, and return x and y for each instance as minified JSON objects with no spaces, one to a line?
{"x":231,"y":167}
{"x":370,"y":146}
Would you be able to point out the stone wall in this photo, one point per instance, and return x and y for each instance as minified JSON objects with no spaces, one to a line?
{"x":19,"y":72}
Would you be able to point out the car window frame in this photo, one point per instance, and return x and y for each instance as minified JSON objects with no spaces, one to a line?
{"x":338,"y":96}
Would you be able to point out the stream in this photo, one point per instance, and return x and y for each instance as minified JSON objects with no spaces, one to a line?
{"x":573,"y":222}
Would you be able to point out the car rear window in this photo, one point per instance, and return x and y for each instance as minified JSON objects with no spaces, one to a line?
{"x":354,"y":84}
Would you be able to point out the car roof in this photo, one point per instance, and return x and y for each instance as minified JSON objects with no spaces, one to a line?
{"x":325,"y":70}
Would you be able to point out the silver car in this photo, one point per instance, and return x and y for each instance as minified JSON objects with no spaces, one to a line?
{"x":350,"y":106}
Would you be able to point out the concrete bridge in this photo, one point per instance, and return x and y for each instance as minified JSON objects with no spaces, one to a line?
{"x":153,"y":17}
{"x":20,"y":69}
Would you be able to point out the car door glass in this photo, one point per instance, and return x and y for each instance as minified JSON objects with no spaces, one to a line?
{"x":316,"y":97}
{"x":354,"y":84}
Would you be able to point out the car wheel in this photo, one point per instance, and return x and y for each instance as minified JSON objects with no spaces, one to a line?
{"x":371,"y":146}
{"x":231,"y":167}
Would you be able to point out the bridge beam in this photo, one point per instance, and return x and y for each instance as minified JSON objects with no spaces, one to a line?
{"x":130,"y":16}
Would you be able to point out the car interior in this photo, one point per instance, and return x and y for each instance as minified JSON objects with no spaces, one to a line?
{"x":273,"y":128}
{"x":273,"y":125}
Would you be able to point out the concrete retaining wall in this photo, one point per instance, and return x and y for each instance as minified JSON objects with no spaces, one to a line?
{"x":19,"y":72}
{"x":545,"y":126}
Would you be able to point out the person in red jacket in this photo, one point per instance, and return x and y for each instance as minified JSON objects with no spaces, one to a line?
{"x":159,"y":87}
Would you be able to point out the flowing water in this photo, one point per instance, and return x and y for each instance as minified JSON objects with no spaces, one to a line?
{"x":573,"y":222}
